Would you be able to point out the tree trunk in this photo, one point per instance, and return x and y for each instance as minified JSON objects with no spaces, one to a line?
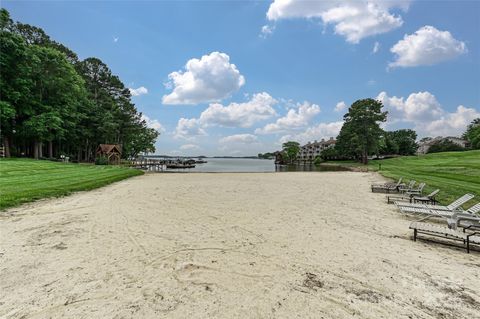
{"x":50,"y":149}
{"x":365,"y":157}
{"x":40,"y":149}
{"x":6,"y":144}
{"x":35,"y":149}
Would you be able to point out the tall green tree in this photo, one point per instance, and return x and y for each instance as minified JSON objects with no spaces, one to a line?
{"x":291,"y":150}
{"x":361,"y":132}
{"x":52,"y":103}
{"x":472,"y":135}
{"x":406,"y":141}
{"x":401,"y":142}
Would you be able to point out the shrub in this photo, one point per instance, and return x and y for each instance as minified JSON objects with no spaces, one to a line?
{"x":318,"y":160}
{"x":101,"y":160}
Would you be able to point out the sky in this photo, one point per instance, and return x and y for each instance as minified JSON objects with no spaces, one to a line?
{"x":240,"y":78}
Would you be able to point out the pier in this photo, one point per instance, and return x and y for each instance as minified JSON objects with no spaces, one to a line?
{"x":161,"y":165}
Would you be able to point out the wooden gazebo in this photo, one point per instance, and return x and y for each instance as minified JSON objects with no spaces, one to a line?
{"x":113,"y":152}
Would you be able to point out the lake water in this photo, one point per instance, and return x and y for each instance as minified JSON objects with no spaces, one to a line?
{"x":249,"y":165}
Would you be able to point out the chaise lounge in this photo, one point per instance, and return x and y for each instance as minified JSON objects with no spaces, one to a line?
{"x":429,"y":199}
{"x":472,"y":212}
{"x":387,"y":187}
{"x":420,"y":208}
{"x":467,"y":238}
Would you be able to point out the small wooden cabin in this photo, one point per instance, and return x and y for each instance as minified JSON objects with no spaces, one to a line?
{"x":113,"y":152}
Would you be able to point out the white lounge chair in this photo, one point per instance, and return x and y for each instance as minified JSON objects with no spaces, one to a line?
{"x":405,"y":206}
{"x":470,"y":217}
{"x":472,"y":211}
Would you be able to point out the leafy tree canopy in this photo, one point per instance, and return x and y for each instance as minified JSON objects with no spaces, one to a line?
{"x":361,"y":132}
{"x":472,"y":135}
{"x":290,"y":150}
{"x":49,"y":97}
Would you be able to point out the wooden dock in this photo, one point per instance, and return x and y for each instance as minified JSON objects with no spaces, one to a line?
{"x":160,"y":165}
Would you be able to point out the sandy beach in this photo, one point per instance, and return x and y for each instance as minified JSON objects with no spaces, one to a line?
{"x":272,"y":245}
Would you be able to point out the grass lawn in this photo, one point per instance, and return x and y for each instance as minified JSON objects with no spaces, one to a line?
{"x":454,"y":173}
{"x":25,"y":180}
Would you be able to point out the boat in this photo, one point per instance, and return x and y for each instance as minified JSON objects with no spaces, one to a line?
{"x":180,"y":165}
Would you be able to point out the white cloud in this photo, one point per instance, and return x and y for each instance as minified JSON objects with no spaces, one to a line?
{"x":294,"y":119}
{"x":426,"y":46}
{"x":188,"y":129}
{"x":353,"y":19}
{"x":153,"y":123}
{"x":115,"y":39}
{"x":376,"y":47}
{"x":427,"y":116}
{"x":418,"y":107}
{"x":189,"y":147}
{"x":340,"y":106}
{"x":239,"y":139}
{"x":210,"y":78}
{"x":317,"y":132}
{"x":138,"y":91}
{"x":267,"y":30}
{"x":453,"y":123}
{"x":259,"y":108}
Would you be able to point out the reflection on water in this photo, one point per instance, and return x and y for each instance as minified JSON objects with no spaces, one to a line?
{"x":244,"y":165}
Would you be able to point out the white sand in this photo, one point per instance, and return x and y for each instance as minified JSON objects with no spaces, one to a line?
{"x":280,"y":245}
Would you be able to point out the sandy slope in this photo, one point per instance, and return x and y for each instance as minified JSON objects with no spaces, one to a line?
{"x":284,"y":245}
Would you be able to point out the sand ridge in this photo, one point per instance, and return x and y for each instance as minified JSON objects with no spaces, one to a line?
{"x":274,"y":245}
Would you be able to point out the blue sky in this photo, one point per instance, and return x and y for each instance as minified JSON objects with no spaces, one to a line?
{"x":239,"y":78}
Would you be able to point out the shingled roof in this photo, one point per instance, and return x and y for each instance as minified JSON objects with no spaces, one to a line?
{"x":109,"y":148}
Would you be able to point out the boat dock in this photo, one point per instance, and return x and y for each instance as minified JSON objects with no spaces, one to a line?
{"x":161,"y":165}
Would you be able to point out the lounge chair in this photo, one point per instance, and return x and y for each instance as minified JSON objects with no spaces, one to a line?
{"x":429,"y":199}
{"x":405,"y":206}
{"x":387,"y":187}
{"x":404,"y":189}
{"x":465,"y":220}
{"x":467,"y":238}
{"x":416,"y":191}
{"x":472,"y":212}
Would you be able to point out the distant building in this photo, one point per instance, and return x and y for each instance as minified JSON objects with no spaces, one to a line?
{"x":425,"y":144}
{"x":309,"y":151}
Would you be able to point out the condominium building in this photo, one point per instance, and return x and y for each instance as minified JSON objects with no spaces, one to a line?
{"x":309,"y":151}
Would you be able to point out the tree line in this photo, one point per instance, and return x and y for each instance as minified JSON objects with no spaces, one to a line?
{"x":52,"y":103}
{"x":361,"y":136}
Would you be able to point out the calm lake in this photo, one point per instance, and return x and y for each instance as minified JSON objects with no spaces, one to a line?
{"x":250,"y":165}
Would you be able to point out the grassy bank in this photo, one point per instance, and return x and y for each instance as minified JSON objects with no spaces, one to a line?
{"x":454,"y":173}
{"x":25,"y":180}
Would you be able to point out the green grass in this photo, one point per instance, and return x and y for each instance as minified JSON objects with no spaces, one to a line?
{"x":26,"y":180}
{"x":454,"y":173}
